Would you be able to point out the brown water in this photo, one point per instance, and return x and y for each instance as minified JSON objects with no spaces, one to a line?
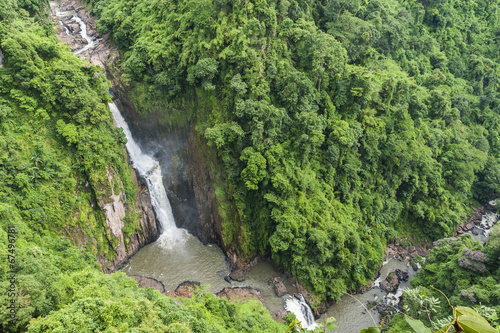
{"x":193,"y":261}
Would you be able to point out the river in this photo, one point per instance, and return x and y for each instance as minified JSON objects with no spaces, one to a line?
{"x":178,"y":256}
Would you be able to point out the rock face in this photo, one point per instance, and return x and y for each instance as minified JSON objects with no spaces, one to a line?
{"x":390,"y":284}
{"x":114,"y":211}
{"x":113,"y":205}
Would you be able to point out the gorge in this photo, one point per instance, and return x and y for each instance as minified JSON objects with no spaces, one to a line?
{"x":277,"y":151}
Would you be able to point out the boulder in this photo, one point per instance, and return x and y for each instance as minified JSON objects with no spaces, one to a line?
{"x":238,"y":275}
{"x":280,"y":289}
{"x":492,"y":205}
{"x":402,"y":275}
{"x":414,"y":266}
{"x":186,"y":288}
{"x":390,"y":284}
{"x":240,"y":293}
{"x":146,"y":282}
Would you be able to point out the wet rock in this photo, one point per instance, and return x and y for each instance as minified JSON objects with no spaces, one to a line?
{"x":227,"y":279}
{"x":239,"y":293}
{"x":73,"y":27}
{"x":114,"y":207}
{"x":146,"y":282}
{"x":280,"y":289}
{"x":390,"y":284}
{"x":414,"y":266}
{"x":238,"y":275}
{"x":402,"y":275}
{"x":184,"y":290}
{"x":475,"y":232}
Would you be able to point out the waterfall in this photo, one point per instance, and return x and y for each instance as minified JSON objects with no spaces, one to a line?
{"x":150,"y":169}
{"x":301,"y":310}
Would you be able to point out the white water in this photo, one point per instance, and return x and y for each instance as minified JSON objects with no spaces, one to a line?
{"x":91,"y":42}
{"x":149,"y":168}
{"x":302,"y":311}
{"x":66,"y":30}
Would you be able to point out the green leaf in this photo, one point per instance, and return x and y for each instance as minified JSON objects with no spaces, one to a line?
{"x":463,"y":310}
{"x":417,"y":326}
{"x":330,"y":327}
{"x":475,"y":324}
{"x":372,"y":329}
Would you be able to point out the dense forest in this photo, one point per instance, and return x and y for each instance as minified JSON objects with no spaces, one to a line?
{"x":337,"y":124}
{"x":57,"y":143}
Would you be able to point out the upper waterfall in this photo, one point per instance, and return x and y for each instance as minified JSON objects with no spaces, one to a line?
{"x":150,"y":169}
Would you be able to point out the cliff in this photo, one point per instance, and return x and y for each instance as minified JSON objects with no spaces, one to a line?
{"x":129,"y":224}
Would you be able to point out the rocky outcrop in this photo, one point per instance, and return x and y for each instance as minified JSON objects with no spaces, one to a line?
{"x":402,"y":253}
{"x":145,"y":282}
{"x":317,"y":307}
{"x":68,"y":31}
{"x":125,"y":237}
{"x":279,"y":287}
{"x":114,"y":208}
{"x":240,"y":293}
{"x":403,"y":276}
{"x":390,"y":284}
{"x":184,"y":290}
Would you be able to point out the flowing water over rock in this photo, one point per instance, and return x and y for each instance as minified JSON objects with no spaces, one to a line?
{"x":482,"y":230}
{"x":69,"y":17}
{"x":352,"y":316}
{"x":171,"y":237}
{"x":301,"y":310}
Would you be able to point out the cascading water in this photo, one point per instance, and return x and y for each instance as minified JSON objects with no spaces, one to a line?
{"x":150,"y":169}
{"x":91,"y":42}
{"x":301,"y":310}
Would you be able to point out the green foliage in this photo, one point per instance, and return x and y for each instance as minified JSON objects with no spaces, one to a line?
{"x":454,"y":274}
{"x":58,"y":149}
{"x":337,"y":123}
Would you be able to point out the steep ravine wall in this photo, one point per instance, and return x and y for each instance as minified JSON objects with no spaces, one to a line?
{"x":128,"y":227}
{"x":192,"y":175}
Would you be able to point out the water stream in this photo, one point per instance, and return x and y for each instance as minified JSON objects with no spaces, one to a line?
{"x":72,"y":16}
{"x":178,"y":256}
